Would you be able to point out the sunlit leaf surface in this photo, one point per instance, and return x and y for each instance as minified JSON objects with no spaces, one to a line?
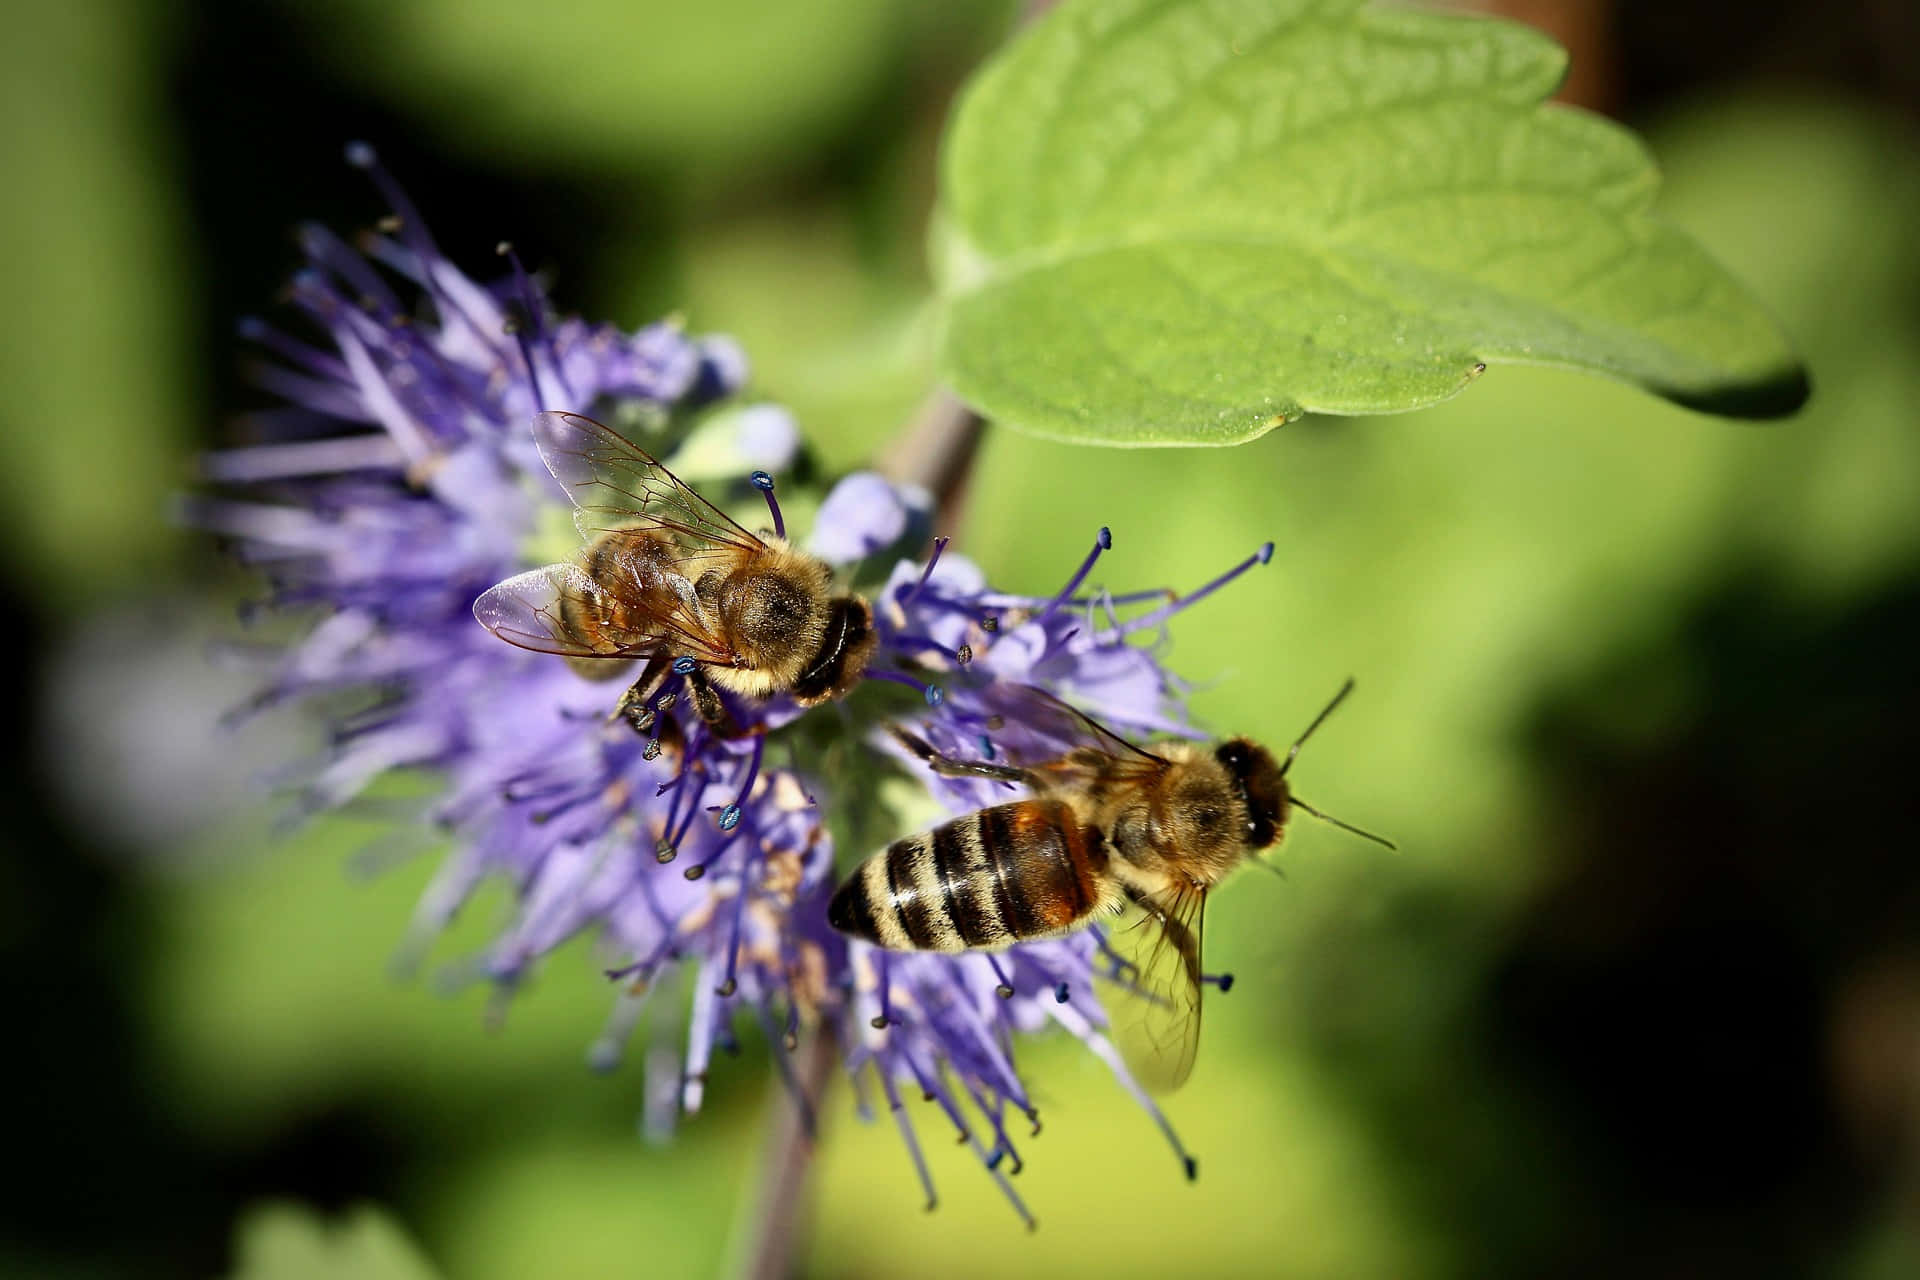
{"x":1188,"y":221}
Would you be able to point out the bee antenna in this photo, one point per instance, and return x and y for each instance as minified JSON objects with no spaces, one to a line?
{"x":1264,"y":865}
{"x":1329,"y":819}
{"x":1325,"y":711}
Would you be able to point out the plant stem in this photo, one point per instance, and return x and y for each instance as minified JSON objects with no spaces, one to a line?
{"x":936,"y":453}
{"x":775,"y":1231}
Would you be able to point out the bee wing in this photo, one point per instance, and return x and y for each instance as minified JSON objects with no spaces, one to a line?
{"x":615,"y":484}
{"x":543,"y":610}
{"x":1153,"y":993}
{"x":1071,"y":739}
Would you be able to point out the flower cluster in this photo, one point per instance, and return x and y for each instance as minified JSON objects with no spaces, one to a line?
{"x":400,"y":481}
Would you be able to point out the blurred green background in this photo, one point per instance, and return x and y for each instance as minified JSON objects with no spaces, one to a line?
{"x":1637,"y":693}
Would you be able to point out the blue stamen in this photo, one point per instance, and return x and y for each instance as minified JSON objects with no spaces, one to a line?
{"x":730,"y":816}
{"x":675,"y":830}
{"x":413,"y":230}
{"x":939,"y":545}
{"x":1005,"y":989}
{"x":1103,"y":542}
{"x":935,"y":1091}
{"x":885,"y":1017}
{"x":311,"y":358}
{"x":684,"y":666}
{"x":1003,"y":1145}
{"x":900,"y":677}
{"x":764,"y":483}
{"x":698,"y":870}
{"x":531,"y":306}
{"x":729,"y":986}
{"x":906,"y":640}
{"x":906,"y":1135}
{"x":1167,"y":610}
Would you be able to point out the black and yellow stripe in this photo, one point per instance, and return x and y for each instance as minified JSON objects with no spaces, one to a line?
{"x":983,"y":881}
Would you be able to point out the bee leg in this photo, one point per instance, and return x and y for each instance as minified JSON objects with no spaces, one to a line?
{"x":712,"y":708}
{"x":632,"y":706}
{"x":949,"y":767}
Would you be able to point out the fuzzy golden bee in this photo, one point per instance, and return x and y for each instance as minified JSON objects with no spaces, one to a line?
{"x":666,"y":577}
{"x":1109,"y":829}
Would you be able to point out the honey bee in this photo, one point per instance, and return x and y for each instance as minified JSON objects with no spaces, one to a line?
{"x":1109,"y":828}
{"x":667,"y":577}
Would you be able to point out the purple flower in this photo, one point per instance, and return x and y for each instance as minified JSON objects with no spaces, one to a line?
{"x":400,"y":481}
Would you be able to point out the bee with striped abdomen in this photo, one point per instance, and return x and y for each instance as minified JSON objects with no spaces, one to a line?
{"x":666,"y":576}
{"x":1108,"y":828}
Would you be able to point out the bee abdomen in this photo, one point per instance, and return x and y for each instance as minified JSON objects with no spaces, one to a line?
{"x":987,"y":880}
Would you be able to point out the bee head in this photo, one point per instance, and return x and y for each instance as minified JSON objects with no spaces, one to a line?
{"x":1262,"y":789}
{"x":843,"y":652}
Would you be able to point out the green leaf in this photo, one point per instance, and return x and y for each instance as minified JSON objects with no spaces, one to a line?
{"x":1189,"y":221}
{"x":725,"y":85}
{"x":283,"y":1241}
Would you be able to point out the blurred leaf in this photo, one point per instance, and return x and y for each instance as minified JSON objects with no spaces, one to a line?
{"x":1284,"y":1189}
{"x":616,"y":82}
{"x":277,"y":993}
{"x":601,"y":1204}
{"x":293,"y":1242}
{"x":91,"y":351}
{"x":833,"y":336}
{"x":1843,"y":517}
{"x":1188,"y":221}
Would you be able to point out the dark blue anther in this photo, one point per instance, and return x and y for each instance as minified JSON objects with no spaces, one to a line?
{"x":986,"y":746}
{"x":761,"y":480}
{"x":935,"y":695}
{"x":1226,"y":983}
{"x":1193,"y":1169}
{"x":684,"y":666}
{"x":1060,"y":994}
{"x":1266,"y":552}
{"x":730,"y":818}
{"x":1105,"y":539}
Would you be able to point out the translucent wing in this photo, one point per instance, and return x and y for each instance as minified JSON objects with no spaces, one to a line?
{"x":1044,"y":732}
{"x":561,"y":609}
{"x":616,"y":485}
{"x":1152,"y":993}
